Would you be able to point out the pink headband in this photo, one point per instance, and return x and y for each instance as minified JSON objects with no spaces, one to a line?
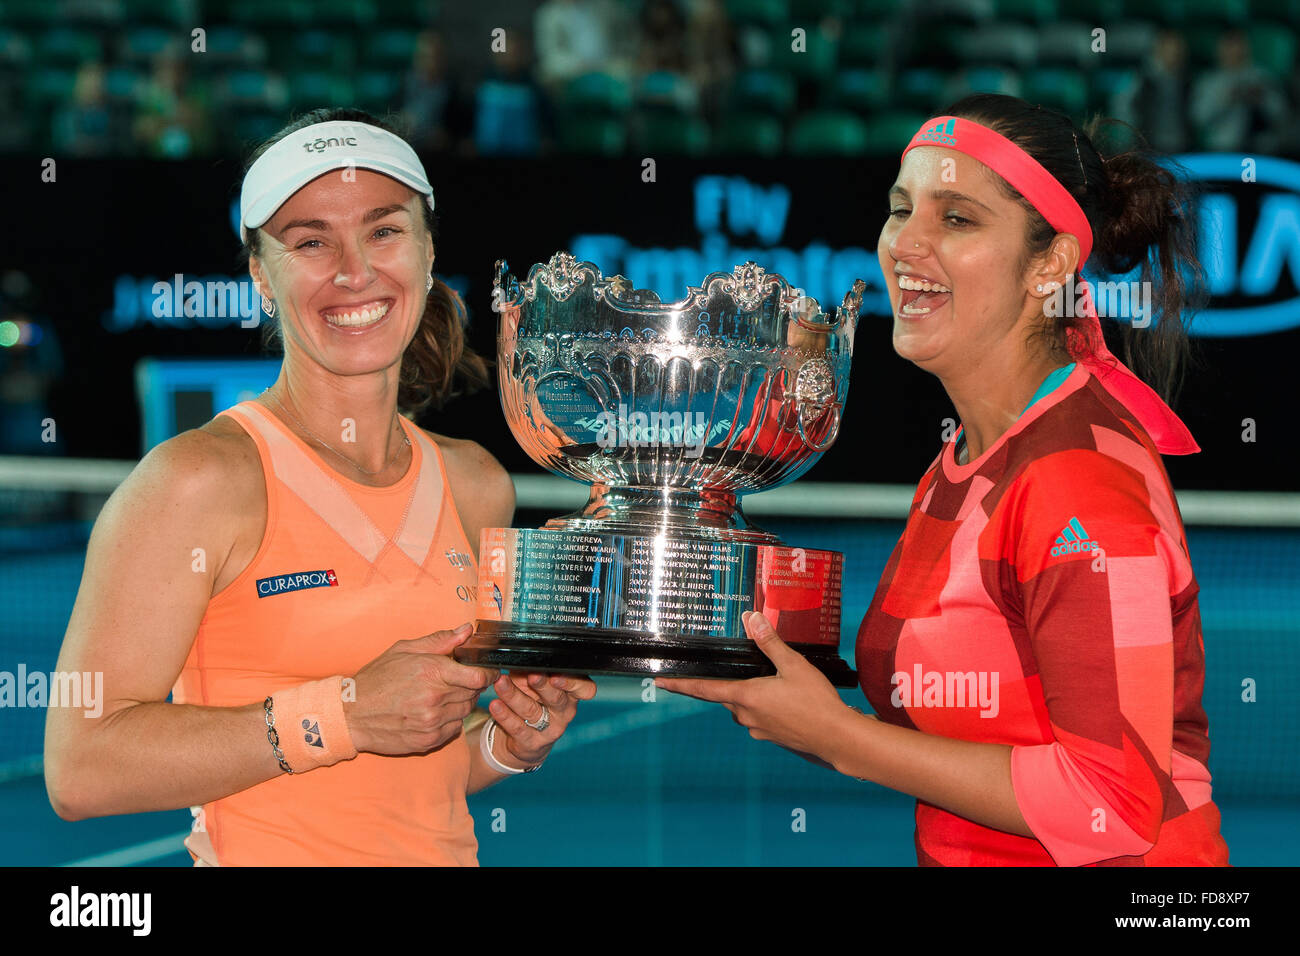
{"x":1046,"y":194}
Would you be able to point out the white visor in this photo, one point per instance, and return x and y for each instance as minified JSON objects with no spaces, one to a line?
{"x":312,"y":151}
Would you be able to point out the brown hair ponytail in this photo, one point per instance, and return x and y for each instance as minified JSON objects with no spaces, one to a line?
{"x":1149,"y":223}
{"x":437,"y":360}
{"x":1141,"y":213}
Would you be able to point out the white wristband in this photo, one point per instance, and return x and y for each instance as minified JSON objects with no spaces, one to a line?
{"x":485,"y":742}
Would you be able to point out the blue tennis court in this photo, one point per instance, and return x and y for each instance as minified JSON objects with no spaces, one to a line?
{"x":673,"y":781}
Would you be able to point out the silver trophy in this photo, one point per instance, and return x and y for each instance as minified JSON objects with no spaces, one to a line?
{"x":671,"y":412}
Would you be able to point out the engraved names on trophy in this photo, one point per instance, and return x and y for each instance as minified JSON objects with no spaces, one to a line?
{"x":657,"y":585}
{"x":699,"y":585}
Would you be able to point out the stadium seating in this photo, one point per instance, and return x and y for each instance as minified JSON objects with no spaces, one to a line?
{"x":888,"y":132}
{"x":1274,"y":49}
{"x":64,"y":46}
{"x":813,"y":59}
{"x":862,"y":64}
{"x":309,"y":90}
{"x":378,"y":91}
{"x":983,"y":79}
{"x":666,"y":90}
{"x":827,"y":132}
{"x":864,"y":43}
{"x":760,"y":12}
{"x":920,"y":89}
{"x":601,"y":93}
{"x":1059,"y":89}
{"x":857,"y":90}
{"x":593,"y":135}
{"x":657,"y":132}
{"x":1000,"y":44}
{"x":766,"y":91}
{"x":1038,"y":13}
{"x":749,"y":134}
{"x":1066,"y":43}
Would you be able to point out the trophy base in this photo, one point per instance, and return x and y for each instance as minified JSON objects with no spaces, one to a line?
{"x":549,"y":649}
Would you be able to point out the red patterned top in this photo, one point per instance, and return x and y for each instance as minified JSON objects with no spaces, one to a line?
{"x":1042,"y":597}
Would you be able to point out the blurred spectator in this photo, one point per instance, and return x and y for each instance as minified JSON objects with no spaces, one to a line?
{"x":432,"y":103}
{"x":573,"y":38}
{"x":88,"y":126}
{"x":105,"y":11}
{"x":1157,"y":101}
{"x":713,"y":51}
{"x":171,"y":122}
{"x":511,"y":115}
{"x":663,"y":38}
{"x":1238,"y":106}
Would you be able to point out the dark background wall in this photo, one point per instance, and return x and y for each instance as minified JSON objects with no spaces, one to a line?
{"x":107,"y":225}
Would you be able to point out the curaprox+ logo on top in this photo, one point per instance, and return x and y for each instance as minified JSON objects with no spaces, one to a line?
{"x":298,"y":581}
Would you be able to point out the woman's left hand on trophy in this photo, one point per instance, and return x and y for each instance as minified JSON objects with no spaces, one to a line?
{"x":520,"y":697}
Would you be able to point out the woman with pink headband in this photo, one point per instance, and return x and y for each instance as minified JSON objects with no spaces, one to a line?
{"x":298,"y":571}
{"x":1033,"y":651}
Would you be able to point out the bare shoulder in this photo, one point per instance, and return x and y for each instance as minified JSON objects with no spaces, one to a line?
{"x":217,"y":461}
{"x":481,"y":488}
{"x":206,"y":482}
{"x":469,"y":462}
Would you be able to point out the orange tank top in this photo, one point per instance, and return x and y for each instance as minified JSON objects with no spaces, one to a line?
{"x":394,"y":564}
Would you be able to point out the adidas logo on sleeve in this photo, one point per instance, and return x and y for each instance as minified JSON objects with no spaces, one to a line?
{"x":1074,"y":540}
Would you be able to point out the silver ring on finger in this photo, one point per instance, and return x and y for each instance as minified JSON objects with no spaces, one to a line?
{"x":543,"y":721}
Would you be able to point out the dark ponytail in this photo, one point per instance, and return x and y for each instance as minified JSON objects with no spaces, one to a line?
{"x":1141,"y":214}
{"x":437,"y":364}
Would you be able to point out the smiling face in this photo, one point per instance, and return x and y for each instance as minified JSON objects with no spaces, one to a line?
{"x":346,"y":261}
{"x":951,"y":227}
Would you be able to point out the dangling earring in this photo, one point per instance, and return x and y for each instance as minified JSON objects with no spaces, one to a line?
{"x":268,"y":306}
{"x":428,"y":285}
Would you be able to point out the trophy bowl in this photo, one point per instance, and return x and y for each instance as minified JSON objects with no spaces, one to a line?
{"x":670,"y":412}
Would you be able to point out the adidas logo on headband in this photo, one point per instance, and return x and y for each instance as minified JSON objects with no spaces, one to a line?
{"x":940,"y":133}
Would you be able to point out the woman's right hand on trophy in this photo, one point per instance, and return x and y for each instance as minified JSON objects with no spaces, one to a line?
{"x":412,"y":698}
